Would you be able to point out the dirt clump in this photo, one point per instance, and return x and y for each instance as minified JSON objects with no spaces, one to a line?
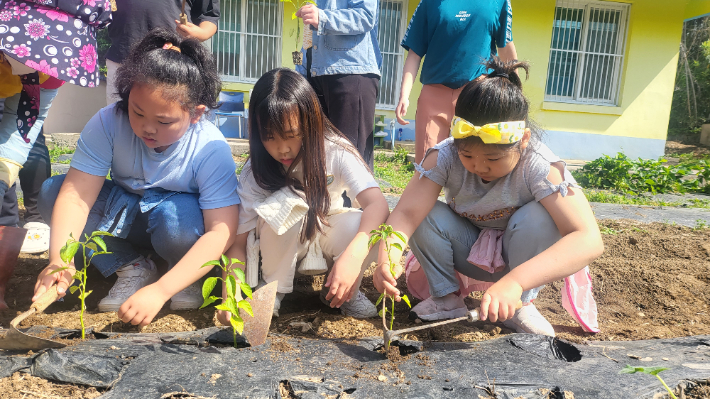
{"x":25,"y":386}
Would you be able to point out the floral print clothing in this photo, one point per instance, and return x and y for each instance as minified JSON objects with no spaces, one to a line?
{"x":55,"y":37}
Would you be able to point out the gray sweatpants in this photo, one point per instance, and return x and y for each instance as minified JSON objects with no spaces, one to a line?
{"x":443,"y":241}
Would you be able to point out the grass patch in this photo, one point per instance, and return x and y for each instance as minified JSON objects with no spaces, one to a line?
{"x":612,"y":198}
{"x":56,"y":152}
{"x":395,"y":170}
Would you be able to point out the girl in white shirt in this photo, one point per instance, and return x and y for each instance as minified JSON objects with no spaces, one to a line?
{"x":291,"y":191}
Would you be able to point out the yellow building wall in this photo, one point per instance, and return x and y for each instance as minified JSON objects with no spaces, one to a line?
{"x":696,"y":8}
{"x":647,"y":79}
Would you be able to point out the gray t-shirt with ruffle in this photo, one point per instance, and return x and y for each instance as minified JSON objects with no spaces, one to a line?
{"x":490,"y":205}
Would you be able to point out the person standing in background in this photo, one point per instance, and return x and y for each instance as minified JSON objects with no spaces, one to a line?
{"x":133,"y":19}
{"x":343,"y":66}
{"x":457,"y":37}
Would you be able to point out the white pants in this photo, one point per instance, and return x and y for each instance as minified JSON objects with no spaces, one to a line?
{"x":111,"y":95}
{"x":280,"y":254}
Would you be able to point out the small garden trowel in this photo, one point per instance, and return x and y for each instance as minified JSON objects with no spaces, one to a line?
{"x":14,"y":339}
{"x":262,"y":305}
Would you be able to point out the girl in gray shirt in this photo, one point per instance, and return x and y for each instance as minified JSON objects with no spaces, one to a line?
{"x":504,"y":186}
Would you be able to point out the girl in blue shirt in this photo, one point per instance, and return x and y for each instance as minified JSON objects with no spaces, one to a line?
{"x":173,"y":186}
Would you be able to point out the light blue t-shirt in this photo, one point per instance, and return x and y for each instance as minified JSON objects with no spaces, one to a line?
{"x":456,"y":36}
{"x":200,"y":162}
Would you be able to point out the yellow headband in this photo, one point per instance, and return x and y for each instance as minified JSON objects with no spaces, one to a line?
{"x":492,"y":133}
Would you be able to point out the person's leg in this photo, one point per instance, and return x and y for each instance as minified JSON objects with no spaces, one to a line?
{"x":122,"y":252}
{"x":433,"y":118}
{"x":174,"y":226}
{"x":9,"y":212}
{"x":530,"y":231}
{"x":441,"y":243}
{"x":36,"y":170}
{"x":111,"y":96}
{"x":350,"y":102}
{"x":333,"y":242}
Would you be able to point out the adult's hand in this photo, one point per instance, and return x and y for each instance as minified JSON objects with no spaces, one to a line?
{"x":47,"y":279}
{"x":401,"y":111}
{"x":309,"y":15}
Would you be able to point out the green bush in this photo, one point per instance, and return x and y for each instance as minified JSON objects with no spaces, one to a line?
{"x":620,"y":173}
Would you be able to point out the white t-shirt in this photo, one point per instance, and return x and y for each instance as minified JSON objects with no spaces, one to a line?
{"x":344,"y":172}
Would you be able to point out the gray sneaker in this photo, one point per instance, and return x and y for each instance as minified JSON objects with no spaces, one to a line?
{"x":131,"y":277}
{"x":359,"y":307}
{"x":188,"y":299}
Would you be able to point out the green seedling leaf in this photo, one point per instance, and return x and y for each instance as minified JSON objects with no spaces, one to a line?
{"x":209,"y":301}
{"x":68,"y":251}
{"x":396,"y":245}
{"x":100,"y":242}
{"x":237,"y":323}
{"x":92,"y":246}
{"x":240,"y":274}
{"x":73,"y":289}
{"x":243,"y":304}
{"x":223,"y":306}
{"x":101,"y":233}
{"x":210,"y":263}
{"x":646,"y":370}
{"x":246,"y":289}
{"x":406,"y":300}
{"x":236,"y":261}
{"x":399,"y":235}
{"x":83,"y":295}
{"x":231,"y":286}
{"x":379,"y":300}
{"x":59,"y":270}
{"x":208,"y":287}
{"x":233,"y":307}
{"x":224,"y":260}
{"x":379,"y":312}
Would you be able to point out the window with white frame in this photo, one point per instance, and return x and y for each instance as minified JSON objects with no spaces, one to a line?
{"x":392,"y":20}
{"x":587,"y":52}
{"x":248,"y":39}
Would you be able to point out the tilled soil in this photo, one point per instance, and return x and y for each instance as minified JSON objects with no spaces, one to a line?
{"x":651,"y":282}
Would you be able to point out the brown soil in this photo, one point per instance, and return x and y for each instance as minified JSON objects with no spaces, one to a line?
{"x":651,"y":282}
{"x":25,"y":386}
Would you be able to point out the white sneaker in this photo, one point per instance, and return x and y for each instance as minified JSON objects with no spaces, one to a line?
{"x":188,"y":299}
{"x":448,"y":306}
{"x":359,"y":307}
{"x":131,"y":277}
{"x":528,"y":320}
{"x":37,"y":238}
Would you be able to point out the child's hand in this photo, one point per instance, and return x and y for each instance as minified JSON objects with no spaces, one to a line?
{"x":309,"y":15}
{"x":46,"y":280}
{"x":401,"y":111}
{"x":141,"y":307}
{"x":223,"y":317}
{"x":499,"y":301}
{"x":385,"y":282}
{"x":341,"y":281}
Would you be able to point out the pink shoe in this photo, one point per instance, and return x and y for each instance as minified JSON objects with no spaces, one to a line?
{"x":450,"y":306}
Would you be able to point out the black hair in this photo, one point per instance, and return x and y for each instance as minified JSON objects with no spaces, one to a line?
{"x":279,"y":95}
{"x":188,"y":76}
{"x":496,"y":97}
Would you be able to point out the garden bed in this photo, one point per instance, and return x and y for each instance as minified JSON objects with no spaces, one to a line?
{"x":651,"y":283}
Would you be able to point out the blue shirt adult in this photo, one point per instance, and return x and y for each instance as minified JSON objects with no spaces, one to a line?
{"x":200,"y":162}
{"x":346,"y":39}
{"x":457,"y":36}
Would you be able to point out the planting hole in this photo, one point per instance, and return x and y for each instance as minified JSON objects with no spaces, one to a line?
{"x":286,"y":391}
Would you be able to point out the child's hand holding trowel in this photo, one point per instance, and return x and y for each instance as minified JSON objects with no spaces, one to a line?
{"x":63,"y":279}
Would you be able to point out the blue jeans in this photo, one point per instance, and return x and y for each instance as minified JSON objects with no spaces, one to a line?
{"x":170,"y":228}
{"x":12,"y":145}
{"x":444,"y":239}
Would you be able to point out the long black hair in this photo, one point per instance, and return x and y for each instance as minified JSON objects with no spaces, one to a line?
{"x":188,"y":76}
{"x":496,"y":97}
{"x":280,"y":96}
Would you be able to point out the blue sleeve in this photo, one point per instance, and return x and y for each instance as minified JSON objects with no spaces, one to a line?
{"x":505,"y":26}
{"x":358,"y":17}
{"x":416,"y":38}
{"x":94,"y":150}
{"x":215,"y":174}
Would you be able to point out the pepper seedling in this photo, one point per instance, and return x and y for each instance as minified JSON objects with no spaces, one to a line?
{"x":235,"y":280}
{"x":383,"y":233}
{"x":648,"y":370}
{"x":94,"y":242}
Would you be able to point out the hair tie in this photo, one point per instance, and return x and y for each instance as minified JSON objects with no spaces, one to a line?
{"x":170,"y":46}
{"x":496,"y":74}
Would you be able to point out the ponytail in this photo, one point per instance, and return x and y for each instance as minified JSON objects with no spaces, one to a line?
{"x":183,"y":69}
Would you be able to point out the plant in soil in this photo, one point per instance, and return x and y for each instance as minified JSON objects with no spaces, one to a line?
{"x":383,"y":233}
{"x":94,"y":242}
{"x":234,"y":282}
{"x":297,"y":4}
{"x":649,"y":370}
